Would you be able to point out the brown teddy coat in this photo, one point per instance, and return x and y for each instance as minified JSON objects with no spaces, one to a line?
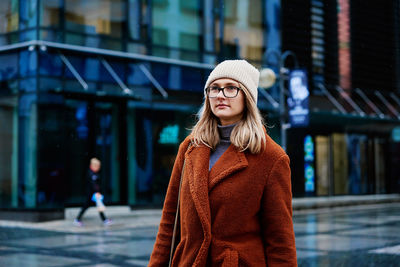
{"x":237,"y":214}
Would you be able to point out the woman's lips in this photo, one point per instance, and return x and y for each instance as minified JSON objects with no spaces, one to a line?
{"x":222,"y":106}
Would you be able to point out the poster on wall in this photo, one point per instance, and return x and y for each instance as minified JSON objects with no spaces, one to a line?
{"x":298,"y":98}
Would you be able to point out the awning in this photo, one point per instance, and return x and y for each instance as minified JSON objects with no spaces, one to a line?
{"x":357,"y":102}
{"x":114,"y":75}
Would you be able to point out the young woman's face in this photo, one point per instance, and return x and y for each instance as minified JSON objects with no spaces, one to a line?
{"x":228,"y":110}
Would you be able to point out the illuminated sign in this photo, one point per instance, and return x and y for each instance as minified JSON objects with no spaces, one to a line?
{"x":309,"y":171}
{"x":298,"y":98}
{"x":169,"y":135}
{"x":396,"y":134}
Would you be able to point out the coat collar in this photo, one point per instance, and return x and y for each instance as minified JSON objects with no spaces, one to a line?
{"x":231,"y":161}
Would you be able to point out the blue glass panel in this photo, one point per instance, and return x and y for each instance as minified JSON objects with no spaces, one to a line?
{"x":28,"y":85}
{"x":111,"y":14}
{"x":50,"y":12}
{"x":8,"y":16}
{"x":8,"y":66}
{"x":52,"y":84}
{"x":118,"y":68}
{"x":91,"y":69}
{"x":27,"y":13}
{"x":88,"y":68}
{"x":27,"y":35}
{"x":136,"y":75}
{"x":160,"y":73}
{"x":105,"y":75}
{"x":8,"y":87}
{"x":192,"y":79}
{"x":134,"y":19}
{"x":51,"y":35}
{"x":50,"y":64}
{"x":28,"y":63}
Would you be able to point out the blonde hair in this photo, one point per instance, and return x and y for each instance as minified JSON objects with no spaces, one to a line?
{"x":248,"y":133}
{"x":95,"y":161}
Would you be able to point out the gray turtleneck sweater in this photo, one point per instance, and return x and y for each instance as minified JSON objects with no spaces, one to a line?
{"x":224,"y":135}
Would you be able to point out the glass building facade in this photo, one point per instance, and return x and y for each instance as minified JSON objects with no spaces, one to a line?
{"x":122,"y":80}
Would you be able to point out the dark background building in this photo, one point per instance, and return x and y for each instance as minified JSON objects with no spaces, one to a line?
{"x":123,"y":79}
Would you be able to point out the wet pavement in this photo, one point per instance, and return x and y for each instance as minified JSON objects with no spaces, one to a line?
{"x":366,"y":235}
{"x":353,"y":236}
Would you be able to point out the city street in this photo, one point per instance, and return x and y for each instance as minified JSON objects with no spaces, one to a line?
{"x":350,"y":236}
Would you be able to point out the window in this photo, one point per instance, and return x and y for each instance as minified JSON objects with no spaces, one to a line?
{"x":50,"y":12}
{"x":134,"y":19}
{"x":8,"y":66}
{"x":8,"y":155}
{"x":9,"y":16}
{"x":28,"y":14}
{"x":95,"y":17}
{"x":177,"y":27}
{"x":243,"y":30}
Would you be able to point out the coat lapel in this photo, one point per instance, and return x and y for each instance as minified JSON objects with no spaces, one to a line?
{"x":197,"y":162}
{"x":231,"y":161}
{"x":196,"y":172}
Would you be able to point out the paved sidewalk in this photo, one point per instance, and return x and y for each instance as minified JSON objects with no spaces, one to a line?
{"x":363,"y":235}
{"x":339,"y":201}
{"x":124,"y":217}
{"x":121,"y":216}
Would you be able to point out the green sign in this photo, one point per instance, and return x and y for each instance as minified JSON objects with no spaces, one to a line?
{"x":169,"y":135}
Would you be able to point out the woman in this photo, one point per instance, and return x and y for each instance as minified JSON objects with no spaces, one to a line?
{"x":235,"y":202}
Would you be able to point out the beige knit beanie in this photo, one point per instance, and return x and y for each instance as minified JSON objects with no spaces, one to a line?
{"x":238,"y":70}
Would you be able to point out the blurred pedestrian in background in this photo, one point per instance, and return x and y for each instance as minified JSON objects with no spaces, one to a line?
{"x":93,"y":193}
{"x":235,"y":200}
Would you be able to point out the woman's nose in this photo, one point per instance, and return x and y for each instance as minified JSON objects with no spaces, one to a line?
{"x":220,"y":94}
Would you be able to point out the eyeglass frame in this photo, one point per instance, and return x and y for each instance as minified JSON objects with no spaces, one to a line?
{"x":223,"y":91}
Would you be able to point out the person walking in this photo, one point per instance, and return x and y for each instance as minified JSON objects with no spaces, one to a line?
{"x":235,"y":204}
{"x":93,"y":192}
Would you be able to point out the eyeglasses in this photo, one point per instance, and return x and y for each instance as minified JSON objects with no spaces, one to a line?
{"x":229,"y":91}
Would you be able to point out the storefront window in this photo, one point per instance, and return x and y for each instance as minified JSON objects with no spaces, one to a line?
{"x":9,"y":16}
{"x":340,"y":164}
{"x":51,"y":184}
{"x":357,"y":158}
{"x":177,"y":26}
{"x":70,"y":133}
{"x":8,"y":155}
{"x":243,"y":32}
{"x":151,"y":159}
{"x":322,"y":162}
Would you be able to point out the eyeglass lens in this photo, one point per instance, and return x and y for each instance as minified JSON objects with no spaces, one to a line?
{"x":228,"y":91}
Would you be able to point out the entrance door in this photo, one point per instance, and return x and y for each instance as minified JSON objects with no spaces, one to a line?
{"x":93,"y":129}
